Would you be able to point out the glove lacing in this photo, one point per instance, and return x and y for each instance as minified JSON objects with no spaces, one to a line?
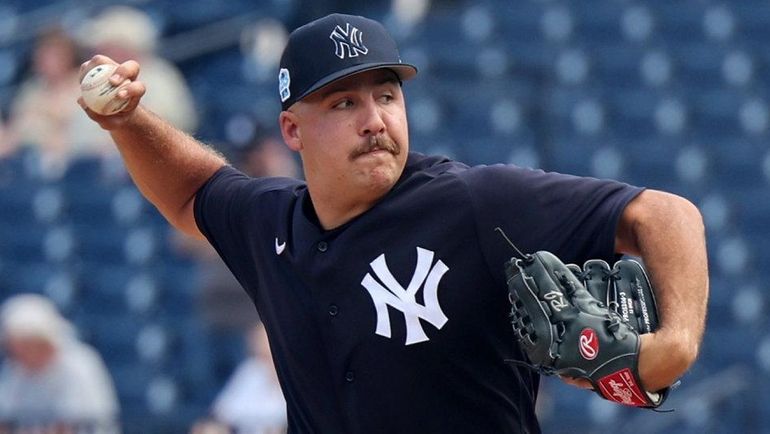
{"x":540,"y":369}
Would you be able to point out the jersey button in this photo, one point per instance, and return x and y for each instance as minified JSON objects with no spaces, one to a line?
{"x":322,"y":246}
{"x":349,"y":376}
{"x":333,"y":310}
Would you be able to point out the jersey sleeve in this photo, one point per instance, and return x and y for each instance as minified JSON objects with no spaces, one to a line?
{"x":231,"y":209}
{"x":573,"y":217}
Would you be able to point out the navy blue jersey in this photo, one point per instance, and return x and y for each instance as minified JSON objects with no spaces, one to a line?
{"x":397,"y":321}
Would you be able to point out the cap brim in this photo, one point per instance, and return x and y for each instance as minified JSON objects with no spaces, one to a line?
{"x":404,"y":71}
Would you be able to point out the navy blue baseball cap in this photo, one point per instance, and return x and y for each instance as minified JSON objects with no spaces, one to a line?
{"x":334,"y":47}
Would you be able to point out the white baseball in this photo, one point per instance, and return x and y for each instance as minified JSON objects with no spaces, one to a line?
{"x":99,"y":94}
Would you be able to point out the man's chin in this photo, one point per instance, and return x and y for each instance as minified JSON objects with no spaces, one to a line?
{"x":379,"y":170}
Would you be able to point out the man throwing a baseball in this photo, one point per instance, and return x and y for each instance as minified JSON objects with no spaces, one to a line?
{"x":380,"y":277}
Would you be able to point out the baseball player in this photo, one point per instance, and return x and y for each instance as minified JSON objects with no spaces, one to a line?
{"x":380,"y":276}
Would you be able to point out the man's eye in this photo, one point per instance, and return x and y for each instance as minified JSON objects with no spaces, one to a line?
{"x":386,"y":97}
{"x":345,"y":103}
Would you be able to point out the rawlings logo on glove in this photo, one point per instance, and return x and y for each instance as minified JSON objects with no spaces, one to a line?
{"x":584,"y":323}
{"x":589,"y":344}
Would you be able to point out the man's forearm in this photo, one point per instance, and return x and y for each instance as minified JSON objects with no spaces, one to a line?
{"x":167,"y":165}
{"x":668,"y":233}
{"x":674,"y":250}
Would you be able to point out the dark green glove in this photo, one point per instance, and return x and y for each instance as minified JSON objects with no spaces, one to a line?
{"x":584,"y":323}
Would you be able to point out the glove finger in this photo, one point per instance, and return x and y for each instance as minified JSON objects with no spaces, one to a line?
{"x":595,"y":273}
{"x":554,"y":282}
{"x":563,"y":290}
{"x":634,"y":297}
{"x":576,"y":270}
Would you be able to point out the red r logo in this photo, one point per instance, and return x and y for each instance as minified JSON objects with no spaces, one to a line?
{"x":588,"y":344}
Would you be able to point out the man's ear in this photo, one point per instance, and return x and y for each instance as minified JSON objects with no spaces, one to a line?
{"x":290,"y":130}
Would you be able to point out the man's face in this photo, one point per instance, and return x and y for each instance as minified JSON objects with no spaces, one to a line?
{"x":35,"y":354}
{"x":352,"y":135}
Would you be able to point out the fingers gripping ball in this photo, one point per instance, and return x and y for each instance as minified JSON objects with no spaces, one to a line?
{"x":99,"y":94}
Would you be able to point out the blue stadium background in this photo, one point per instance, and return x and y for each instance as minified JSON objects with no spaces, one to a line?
{"x":669,"y":95}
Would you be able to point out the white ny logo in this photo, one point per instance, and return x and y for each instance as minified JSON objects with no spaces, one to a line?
{"x":402,"y":299}
{"x":348,"y":40}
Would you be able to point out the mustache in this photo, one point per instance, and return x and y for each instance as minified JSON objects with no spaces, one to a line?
{"x":376,"y":143}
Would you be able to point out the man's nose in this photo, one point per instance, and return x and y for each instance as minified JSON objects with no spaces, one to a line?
{"x":372,"y":123}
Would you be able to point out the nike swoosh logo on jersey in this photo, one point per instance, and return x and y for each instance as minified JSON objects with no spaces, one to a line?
{"x":279,"y":248}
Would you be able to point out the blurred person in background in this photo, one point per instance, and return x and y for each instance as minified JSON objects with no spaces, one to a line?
{"x":266,"y":155}
{"x":210,"y":426}
{"x":261,"y":45}
{"x":251,"y":402}
{"x":404,"y":15}
{"x":50,"y":378}
{"x":123,"y":32}
{"x":41,"y":114}
{"x":226,"y":310}
{"x":3,"y":133}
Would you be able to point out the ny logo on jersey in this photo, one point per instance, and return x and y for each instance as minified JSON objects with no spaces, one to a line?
{"x":390,"y":293}
{"x":348,"y":42}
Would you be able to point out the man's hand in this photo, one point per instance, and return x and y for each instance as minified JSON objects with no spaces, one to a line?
{"x":133,"y":92}
{"x":656,"y":368}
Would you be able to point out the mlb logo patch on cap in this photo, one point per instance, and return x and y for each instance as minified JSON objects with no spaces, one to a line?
{"x":284,"y":80}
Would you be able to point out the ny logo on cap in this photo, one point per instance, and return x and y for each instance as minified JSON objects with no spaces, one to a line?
{"x":348,"y":42}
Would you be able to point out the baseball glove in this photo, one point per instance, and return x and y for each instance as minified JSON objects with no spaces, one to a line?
{"x":625,"y":289}
{"x":584,"y":323}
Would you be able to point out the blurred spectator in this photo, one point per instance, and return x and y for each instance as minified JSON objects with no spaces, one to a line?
{"x":210,"y":426}
{"x":43,"y":111}
{"x":50,"y":378}
{"x":405,"y":15}
{"x":267,"y":156}
{"x":261,"y":45}
{"x":225,"y":307}
{"x":3,"y":134}
{"x":251,"y":402}
{"x":125,"y":33}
